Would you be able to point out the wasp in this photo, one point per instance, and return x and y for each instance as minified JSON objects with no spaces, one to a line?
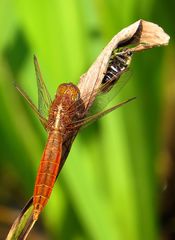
{"x":118,"y":63}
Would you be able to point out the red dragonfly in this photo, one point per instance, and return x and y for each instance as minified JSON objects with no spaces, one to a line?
{"x":60,"y":117}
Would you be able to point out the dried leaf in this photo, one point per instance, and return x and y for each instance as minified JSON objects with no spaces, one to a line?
{"x":142,"y":34}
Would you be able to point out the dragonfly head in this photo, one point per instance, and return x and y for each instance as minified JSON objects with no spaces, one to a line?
{"x":68,"y":90}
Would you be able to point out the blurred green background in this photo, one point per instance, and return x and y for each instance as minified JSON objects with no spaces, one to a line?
{"x":117,"y":183}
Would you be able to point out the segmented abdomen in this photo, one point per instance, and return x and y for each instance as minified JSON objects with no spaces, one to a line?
{"x":118,"y":63}
{"x":47,"y":172}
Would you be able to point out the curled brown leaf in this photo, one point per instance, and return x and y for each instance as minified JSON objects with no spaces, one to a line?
{"x":142,"y":34}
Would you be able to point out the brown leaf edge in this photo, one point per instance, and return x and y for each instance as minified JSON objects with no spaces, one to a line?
{"x":139,"y":36}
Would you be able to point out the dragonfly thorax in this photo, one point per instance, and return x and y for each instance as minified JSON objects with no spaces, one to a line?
{"x":65,"y":107}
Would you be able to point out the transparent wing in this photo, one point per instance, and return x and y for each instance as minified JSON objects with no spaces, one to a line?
{"x":44,"y":99}
{"x":118,"y":64}
{"x":104,"y":97}
{"x":42,"y":119}
{"x":94,"y":117}
{"x":101,"y":96}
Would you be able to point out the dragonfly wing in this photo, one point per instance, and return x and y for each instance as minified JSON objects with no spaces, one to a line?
{"x":94,"y":117}
{"x":44,"y":99}
{"x":42,"y":119}
{"x":103,"y":97}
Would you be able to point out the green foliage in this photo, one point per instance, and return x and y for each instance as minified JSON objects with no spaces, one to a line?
{"x":107,"y":188}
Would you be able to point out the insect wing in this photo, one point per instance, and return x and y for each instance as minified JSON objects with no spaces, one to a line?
{"x":112,"y":82}
{"x":44,"y":99}
{"x":42,"y":119}
{"x":103,"y":98}
{"x":96,"y":116}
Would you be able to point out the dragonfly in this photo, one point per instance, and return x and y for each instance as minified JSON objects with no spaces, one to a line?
{"x":61,"y":117}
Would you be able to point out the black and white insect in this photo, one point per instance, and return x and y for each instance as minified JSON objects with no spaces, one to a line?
{"x":118,"y":63}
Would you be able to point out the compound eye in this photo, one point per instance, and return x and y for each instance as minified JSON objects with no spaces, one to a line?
{"x":75,"y":94}
{"x":70,"y":90}
{"x":62,"y":89}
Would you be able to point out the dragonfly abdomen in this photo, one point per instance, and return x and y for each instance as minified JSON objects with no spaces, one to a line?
{"x":47,"y":172}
